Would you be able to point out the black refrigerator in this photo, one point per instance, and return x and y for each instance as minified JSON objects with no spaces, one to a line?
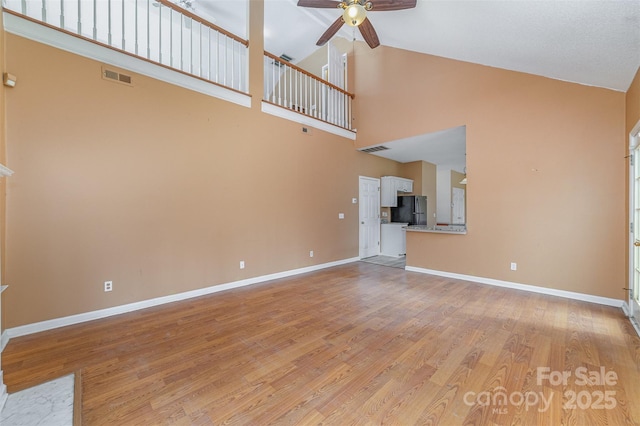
{"x":412,"y":209}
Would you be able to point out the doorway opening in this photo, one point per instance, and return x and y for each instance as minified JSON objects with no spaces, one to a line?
{"x":633,"y":299}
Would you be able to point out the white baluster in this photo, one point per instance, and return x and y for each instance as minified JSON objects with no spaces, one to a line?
{"x":160,"y":33}
{"x":109,"y":23}
{"x":61,"y":13}
{"x":287,"y":101}
{"x":181,"y":42}
{"x":209,"y":53}
{"x":171,"y":37}
{"x":123,"y":26}
{"x":148,"y":30}
{"x":136,"y":28}
{"x":217,"y":57}
{"x":95,"y":20}
{"x":190,"y":52}
{"x":233,"y":51}
{"x":273,"y":81}
{"x":200,"y":44}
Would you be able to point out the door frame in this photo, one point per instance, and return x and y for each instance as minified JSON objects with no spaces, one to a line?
{"x":633,"y":287}
{"x":360,"y":218}
{"x":463,"y":202}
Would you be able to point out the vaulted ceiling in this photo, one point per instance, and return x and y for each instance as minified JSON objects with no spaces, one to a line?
{"x":589,"y":42}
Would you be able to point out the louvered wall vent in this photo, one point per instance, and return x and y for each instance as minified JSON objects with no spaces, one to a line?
{"x":375,"y":148}
{"x":116,"y":76}
{"x":285,"y":58}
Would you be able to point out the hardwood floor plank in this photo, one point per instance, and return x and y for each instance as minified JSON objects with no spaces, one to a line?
{"x":354,"y":344}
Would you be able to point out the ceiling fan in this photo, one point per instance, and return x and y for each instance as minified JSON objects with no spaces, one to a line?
{"x":355,"y":15}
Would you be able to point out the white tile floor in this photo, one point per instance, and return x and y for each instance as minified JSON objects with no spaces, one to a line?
{"x":49,"y":404}
{"x":394,"y":262}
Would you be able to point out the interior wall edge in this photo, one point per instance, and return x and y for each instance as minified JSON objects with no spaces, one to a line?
{"x":607,"y":301}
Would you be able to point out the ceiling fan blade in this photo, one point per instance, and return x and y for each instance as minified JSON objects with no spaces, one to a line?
{"x":382,"y":5}
{"x":328,"y":4}
{"x":369,"y":34}
{"x":330,"y":31}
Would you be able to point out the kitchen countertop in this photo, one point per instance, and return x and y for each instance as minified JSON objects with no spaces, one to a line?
{"x":458,"y":230}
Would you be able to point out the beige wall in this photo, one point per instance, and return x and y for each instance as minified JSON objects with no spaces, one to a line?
{"x":544,"y":163}
{"x":160,"y":189}
{"x":429,"y":188}
{"x":164,"y":190}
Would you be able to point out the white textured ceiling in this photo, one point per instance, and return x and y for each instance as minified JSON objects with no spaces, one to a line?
{"x":446,"y":148}
{"x":589,"y":42}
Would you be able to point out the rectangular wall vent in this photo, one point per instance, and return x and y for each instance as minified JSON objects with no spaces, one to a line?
{"x":108,"y":74}
{"x":285,"y":58}
{"x":375,"y":148}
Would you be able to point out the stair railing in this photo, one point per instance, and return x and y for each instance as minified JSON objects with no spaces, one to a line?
{"x":158,"y":31}
{"x":291,"y":87}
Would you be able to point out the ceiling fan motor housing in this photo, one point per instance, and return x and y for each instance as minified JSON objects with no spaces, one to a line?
{"x":355,"y":12}
{"x":354,"y":15}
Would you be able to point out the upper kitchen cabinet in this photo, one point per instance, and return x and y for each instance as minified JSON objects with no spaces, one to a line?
{"x":389,"y":188}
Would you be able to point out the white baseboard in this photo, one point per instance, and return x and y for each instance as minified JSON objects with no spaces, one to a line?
{"x":24,"y":330}
{"x":4,"y":339}
{"x":3,"y":392}
{"x":627,"y":313}
{"x":534,"y":289}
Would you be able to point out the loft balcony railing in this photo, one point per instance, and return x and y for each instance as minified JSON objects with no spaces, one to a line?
{"x":157,"y":31}
{"x":291,"y":87}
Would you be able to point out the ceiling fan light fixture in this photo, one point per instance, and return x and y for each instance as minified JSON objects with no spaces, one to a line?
{"x":354,"y":14}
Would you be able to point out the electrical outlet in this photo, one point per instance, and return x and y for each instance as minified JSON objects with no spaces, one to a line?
{"x":242,"y":264}
{"x":354,"y":201}
{"x":384,"y":214}
{"x":514,"y":266}
{"x":108,"y":285}
{"x":340,"y":215}
{"x":311,"y":253}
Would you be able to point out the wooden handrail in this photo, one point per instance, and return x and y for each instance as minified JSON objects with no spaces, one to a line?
{"x":203,"y":21}
{"x":124,"y":52}
{"x":333,"y":86}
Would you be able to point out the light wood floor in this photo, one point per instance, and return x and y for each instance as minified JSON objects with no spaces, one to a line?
{"x":356,"y":344}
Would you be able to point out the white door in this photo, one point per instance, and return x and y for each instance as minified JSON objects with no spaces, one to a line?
{"x":457,"y":207}
{"x":335,"y":72}
{"x":369,"y":217}
{"x":634,"y":235}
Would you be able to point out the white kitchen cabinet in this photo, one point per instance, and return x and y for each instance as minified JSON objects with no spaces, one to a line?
{"x":388,"y":195}
{"x":393,"y":239}
{"x":404,"y":185}
{"x":389,"y":188}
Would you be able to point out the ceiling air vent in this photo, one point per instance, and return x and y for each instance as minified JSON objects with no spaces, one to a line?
{"x":116,"y":76}
{"x":285,"y":58}
{"x":375,"y":148}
